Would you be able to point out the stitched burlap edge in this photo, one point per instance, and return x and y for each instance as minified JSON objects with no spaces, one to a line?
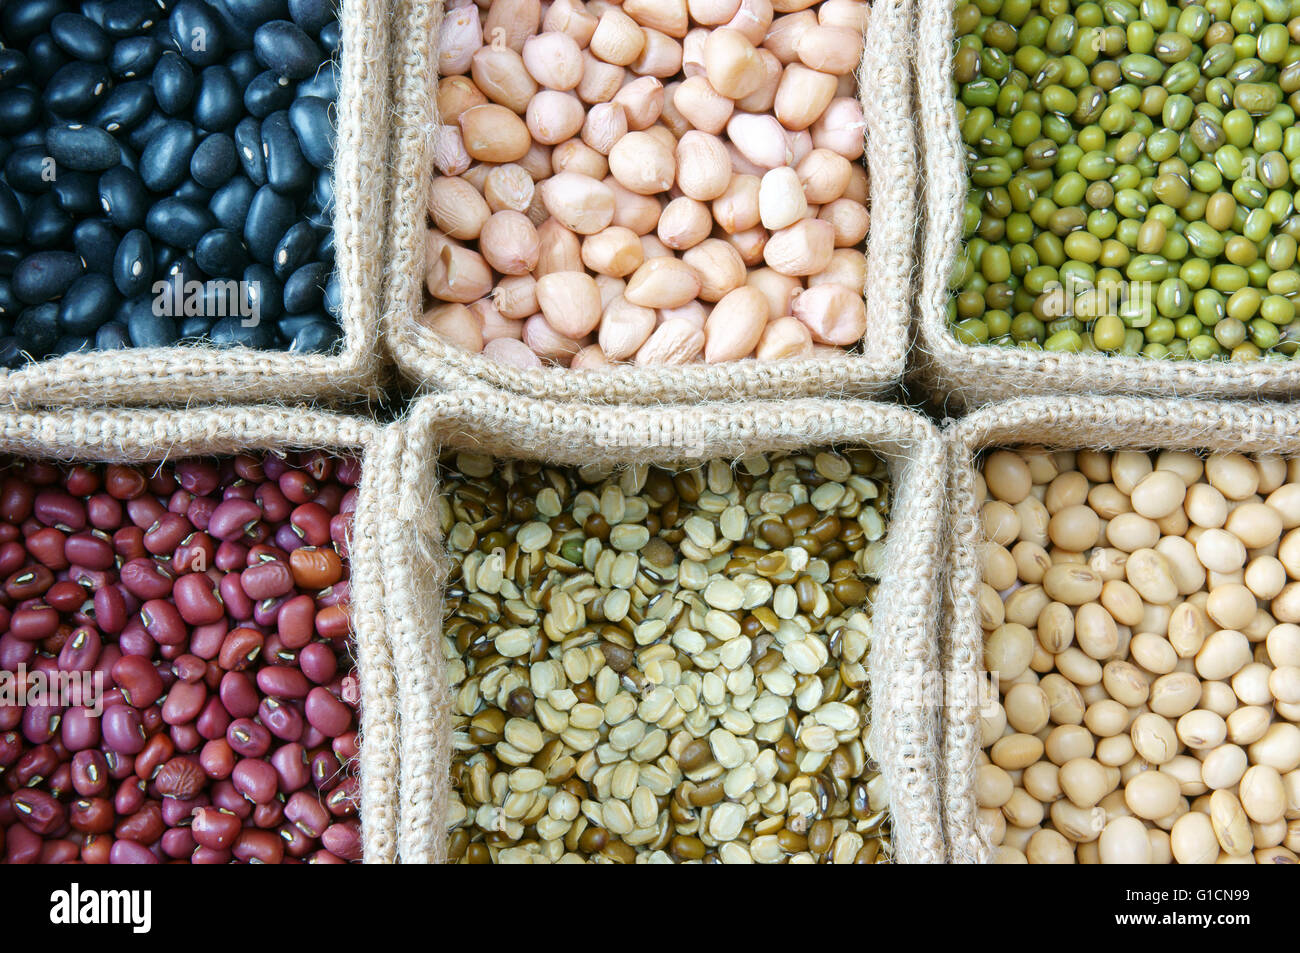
{"x":962,"y":375}
{"x":1058,"y":423}
{"x":183,"y":375}
{"x":427,"y":361}
{"x":904,"y":648}
{"x":140,"y":436}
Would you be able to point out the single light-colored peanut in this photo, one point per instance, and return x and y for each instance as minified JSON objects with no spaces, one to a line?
{"x":457,"y":207}
{"x":737,"y":209}
{"x":673,"y":342}
{"x":516,"y":297}
{"x":570,"y":302}
{"x":454,"y":323}
{"x":558,"y":249}
{"x":703,"y":106}
{"x":511,"y":351}
{"x":785,"y":33}
{"x":751,"y":243}
{"x":824,"y":175}
{"x":460,"y":35}
{"x":553,"y":59}
{"x":643,"y":102}
{"x":763,"y":97}
{"x":613,"y":251}
{"x":850,"y":220}
{"x":712,"y":12}
{"x":571,"y":17}
{"x":731,"y":63}
{"x":509,"y":243}
{"x":752,"y":20}
{"x":841,"y":128}
{"x":553,"y":116}
{"x":834,"y":314}
{"x":493,"y":323}
{"x":548,"y":343}
{"x":684,"y":223}
{"x":589,"y":358}
{"x":600,"y":80}
{"x":458,"y":274}
{"x":511,"y":22}
{"x":703,"y":167}
{"x":618,"y":39}
{"x":624,"y":327}
{"x":663,"y":282}
{"x":785,"y":338}
{"x":661,"y":56}
{"x":667,"y":16}
{"x":803,"y":96}
{"x":576,"y":156}
{"x":605,"y":125}
{"x":579,"y":202}
{"x":449,"y":155}
{"x":503,"y":78}
{"x":719,"y":267}
{"x":778,"y":290}
{"x":493,"y":133}
{"x":781,"y":199}
{"x":760,"y":139}
{"x":510,"y":187}
{"x":802,"y":249}
{"x":735,"y":325}
{"x":455,"y":95}
{"x":642,"y":163}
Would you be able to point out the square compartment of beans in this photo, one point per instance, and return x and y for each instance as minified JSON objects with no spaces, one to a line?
{"x":651,"y":665}
{"x":176,"y":656}
{"x":1140,"y":611}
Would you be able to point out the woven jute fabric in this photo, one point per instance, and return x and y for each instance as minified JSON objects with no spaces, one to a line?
{"x":964,"y":375}
{"x":904,"y":637}
{"x":428,"y":361}
{"x":147,"y":436}
{"x":1058,"y":423}
{"x":176,"y":376}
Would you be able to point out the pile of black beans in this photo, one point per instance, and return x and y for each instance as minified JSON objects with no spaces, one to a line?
{"x":165,"y":175}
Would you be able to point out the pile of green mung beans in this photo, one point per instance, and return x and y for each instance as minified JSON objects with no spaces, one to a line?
{"x":1131,"y":172}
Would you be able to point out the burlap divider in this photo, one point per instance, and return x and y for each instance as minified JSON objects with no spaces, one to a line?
{"x":904,"y":649}
{"x":1057,"y":423}
{"x":428,"y":361}
{"x":963,"y":375}
{"x":174,"y":376}
{"x":146,"y":436}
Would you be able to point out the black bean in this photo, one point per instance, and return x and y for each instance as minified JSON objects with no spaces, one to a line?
{"x":166,"y":160}
{"x":140,"y":137}
{"x":134,"y":56}
{"x":126,"y":17}
{"x":10,"y":258}
{"x":46,"y":275}
{"x":264,"y":295}
{"x":269,"y":216}
{"x":173,"y":83}
{"x":218,"y":105}
{"x":11,"y":216}
{"x":13,"y":68}
{"x":315,"y":337}
{"x":281,"y":45}
{"x":95,"y":239}
{"x":194,"y":327}
{"x":148,"y":329}
{"x":214,"y":161}
{"x":248,"y":146}
{"x":244,"y":66}
{"x":229,"y":205}
{"x":125,"y":106}
{"x":267,"y":92}
{"x":19,"y":110}
{"x":331,"y":37}
{"x":311,"y":15}
{"x":71,"y":344}
{"x":197,"y":32}
{"x":287,"y":169}
{"x":236,"y":331}
{"x":294,"y":250}
{"x":310,"y":118}
{"x":87,"y":304}
{"x":332,"y":300}
{"x":82,"y":148}
{"x":77,"y":88}
{"x":302,"y":292}
{"x":80,"y":38}
{"x":45,"y":58}
{"x":38,"y":328}
{"x":112,"y":336}
{"x":325,"y":249}
{"x":48,"y":225}
{"x":12,"y":355}
{"x":133,"y":263}
{"x":78,"y":193}
{"x":30,"y":169}
{"x":22,"y":21}
{"x":123,"y":197}
{"x":250,"y":14}
{"x":323,"y":83}
{"x":191,"y":191}
{"x":9,"y":303}
{"x":178,"y":222}
{"x":221,"y":253}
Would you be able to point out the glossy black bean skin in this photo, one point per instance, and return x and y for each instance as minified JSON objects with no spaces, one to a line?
{"x":125,"y":17}
{"x":123,"y":197}
{"x":302,"y":292}
{"x":87,"y":304}
{"x":11,"y":216}
{"x":197,"y":32}
{"x":48,"y":225}
{"x":95,"y":242}
{"x":80,"y":38}
{"x":294,"y":249}
{"x":178,"y":222}
{"x":19,"y":110}
{"x":23,"y":21}
{"x":261,"y":283}
{"x":221,"y":253}
{"x":248,"y":145}
{"x":148,"y":329}
{"x":134,"y":56}
{"x":125,"y":107}
{"x":229,"y":204}
{"x":269,"y":216}
{"x":13,"y":68}
{"x":214,"y":161}
{"x":281,"y":45}
{"x":133,"y":263}
{"x":233,"y":331}
{"x":46,"y":275}
{"x":218,"y":105}
{"x":312,"y":124}
{"x":77,"y":88}
{"x":82,"y":148}
{"x":287,"y":169}
{"x":323,"y":84}
{"x":267,"y":93}
{"x":30,"y":169}
{"x":166,"y":159}
{"x":315,"y":336}
{"x":112,"y":336}
{"x":45,"y":58}
{"x":173,"y":83}
{"x":78,"y":193}
{"x":38,"y":328}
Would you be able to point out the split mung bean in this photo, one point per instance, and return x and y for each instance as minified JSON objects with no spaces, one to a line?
{"x":1132,"y":173}
{"x":1148,"y":707}
{"x":691,"y":189}
{"x":651,"y":665}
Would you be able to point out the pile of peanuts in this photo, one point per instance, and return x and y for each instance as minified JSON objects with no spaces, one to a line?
{"x":1140,"y":612}
{"x":658,"y":666}
{"x":651,"y":182}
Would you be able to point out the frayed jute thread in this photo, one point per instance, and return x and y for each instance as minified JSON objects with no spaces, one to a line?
{"x":1056,"y":423}
{"x":962,"y":376}
{"x":885,"y":85}
{"x":153,"y":436}
{"x":904,"y":737}
{"x":178,"y":376}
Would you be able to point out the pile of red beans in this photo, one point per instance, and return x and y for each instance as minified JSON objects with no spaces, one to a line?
{"x":209,"y":599}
